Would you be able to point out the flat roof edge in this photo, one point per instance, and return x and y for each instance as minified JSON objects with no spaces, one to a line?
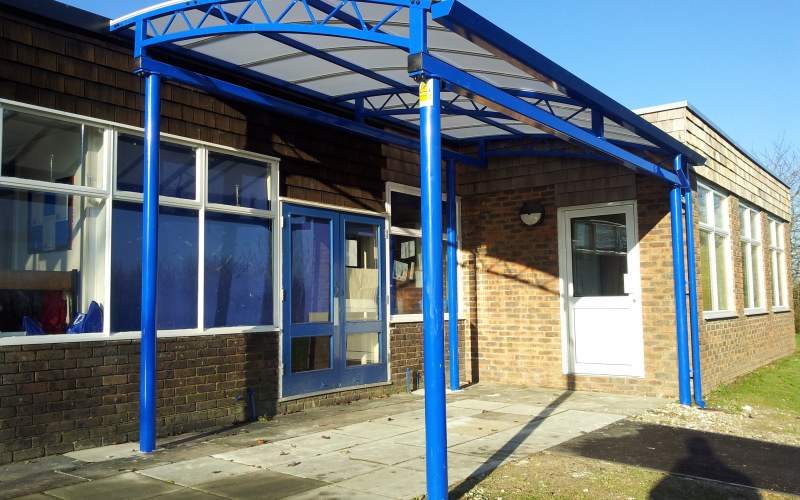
{"x":687,"y":105}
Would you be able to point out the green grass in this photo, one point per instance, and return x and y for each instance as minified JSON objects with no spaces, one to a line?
{"x":776,"y":386}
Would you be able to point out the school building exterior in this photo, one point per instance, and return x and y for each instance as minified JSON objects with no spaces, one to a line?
{"x":272,"y":227}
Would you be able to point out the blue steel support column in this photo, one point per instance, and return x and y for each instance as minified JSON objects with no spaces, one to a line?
{"x":679,"y":277}
{"x":432,"y":300}
{"x":147,"y":375}
{"x":691,"y":262}
{"x":452,"y":273}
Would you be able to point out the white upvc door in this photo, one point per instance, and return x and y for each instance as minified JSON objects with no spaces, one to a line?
{"x":601,"y":290}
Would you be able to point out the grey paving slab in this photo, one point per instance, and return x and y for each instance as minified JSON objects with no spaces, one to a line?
{"x":411,"y":419}
{"x":524,"y":410}
{"x":335,"y":492}
{"x":372,"y":430}
{"x":292,"y":450}
{"x":188,"y":494}
{"x":496,"y":448}
{"x":106,"y":453}
{"x":385,"y":452}
{"x":128,"y":486}
{"x":417,"y":438}
{"x":263,"y":485}
{"x":393,"y":482}
{"x":479,"y":404}
{"x":331,"y":468}
{"x":35,"y":496}
{"x":459,"y":466}
{"x":20,"y":470}
{"x":477,"y":427}
{"x":197,"y":471}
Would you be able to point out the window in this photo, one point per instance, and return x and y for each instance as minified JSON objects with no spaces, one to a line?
{"x":52,"y":234}
{"x":405,"y":253}
{"x":715,"y":252}
{"x":70,"y":237}
{"x":777,"y":256}
{"x":752,"y":259}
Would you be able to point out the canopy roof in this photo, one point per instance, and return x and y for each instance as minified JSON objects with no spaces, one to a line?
{"x":353,"y":54}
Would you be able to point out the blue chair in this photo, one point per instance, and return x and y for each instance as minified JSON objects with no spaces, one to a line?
{"x":31,"y":326}
{"x":91,"y":322}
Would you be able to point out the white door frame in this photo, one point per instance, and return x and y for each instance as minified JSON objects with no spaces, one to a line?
{"x":634,"y":280}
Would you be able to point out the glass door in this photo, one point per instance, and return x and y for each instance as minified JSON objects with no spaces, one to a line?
{"x":334,"y":309}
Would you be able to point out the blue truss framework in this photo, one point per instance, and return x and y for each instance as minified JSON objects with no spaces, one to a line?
{"x":372,"y":111}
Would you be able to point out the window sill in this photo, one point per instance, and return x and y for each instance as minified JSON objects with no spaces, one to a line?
{"x":782,"y":309}
{"x":755,"y":312}
{"x":714,"y":315}
{"x":102,"y":337}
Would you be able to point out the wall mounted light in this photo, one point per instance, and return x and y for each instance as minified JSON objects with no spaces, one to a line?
{"x":531,"y":213}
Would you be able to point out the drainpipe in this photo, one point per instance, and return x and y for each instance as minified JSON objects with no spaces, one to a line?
{"x":697,"y":378}
{"x":679,"y":278}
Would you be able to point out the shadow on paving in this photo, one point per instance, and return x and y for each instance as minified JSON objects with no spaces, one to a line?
{"x":685,"y":452}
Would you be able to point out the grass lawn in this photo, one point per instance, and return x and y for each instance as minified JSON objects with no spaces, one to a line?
{"x":774,"y":387}
{"x":774,"y":393}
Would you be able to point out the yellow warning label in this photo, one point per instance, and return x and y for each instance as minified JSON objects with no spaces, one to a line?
{"x":425,"y":94}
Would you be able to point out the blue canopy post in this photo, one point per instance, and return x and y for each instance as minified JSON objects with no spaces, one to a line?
{"x":452,"y":274}
{"x":679,"y":277}
{"x":147,"y":376}
{"x":430,"y":129}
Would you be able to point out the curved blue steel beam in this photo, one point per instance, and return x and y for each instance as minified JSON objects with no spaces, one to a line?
{"x":180,"y":27}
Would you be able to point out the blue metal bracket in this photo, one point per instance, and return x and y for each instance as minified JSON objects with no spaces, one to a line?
{"x":220,"y":87}
{"x":465,"y":84}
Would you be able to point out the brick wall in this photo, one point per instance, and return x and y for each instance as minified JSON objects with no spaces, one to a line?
{"x":56,"y":398}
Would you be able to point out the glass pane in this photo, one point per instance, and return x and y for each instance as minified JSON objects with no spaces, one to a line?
{"x":744,"y":222}
{"x":776,"y":298}
{"x":311,"y":353}
{"x":755,"y":225}
{"x":755,"y":258}
{"x":237,"y":181}
{"x":773,"y":233}
{"x":311,"y":269}
{"x":720,"y":217}
{"x":705,"y":271}
{"x":362,"y":274}
{"x":49,"y":150}
{"x":238,"y":271}
{"x":51,"y":261}
{"x":363,"y":349}
{"x":177,"y":268}
{"x":782,"y":279}
{"x":407,"y":211}
{"x":177,"y":170}
{"x":747,"y":265}
{"x":599,"y":256}
{"x":702,"y":202}
{"x":722,"y":272}
{"x":406,"y":282}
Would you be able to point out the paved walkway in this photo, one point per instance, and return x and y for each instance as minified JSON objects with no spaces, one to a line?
{"x":368,"y":449}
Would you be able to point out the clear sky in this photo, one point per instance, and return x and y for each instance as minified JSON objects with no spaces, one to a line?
{"x":737,"y":61}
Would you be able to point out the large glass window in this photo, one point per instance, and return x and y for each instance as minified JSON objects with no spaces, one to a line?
{"x":599,"y":255}
{"x":777,"y":254}
{"x":715,"y":252}
{"x":177,"y":268}
{"x":177,"y":171}
{"x":51,"y":261}
{"x":65,"y":233}
{"x":752,"y":258}
{"x":45,"y":149}
{"x":405,"y":251}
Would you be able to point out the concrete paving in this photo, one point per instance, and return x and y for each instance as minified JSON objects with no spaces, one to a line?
{"x":368,"y":449}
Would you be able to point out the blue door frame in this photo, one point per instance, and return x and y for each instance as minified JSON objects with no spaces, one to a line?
{"x":338,"y":375}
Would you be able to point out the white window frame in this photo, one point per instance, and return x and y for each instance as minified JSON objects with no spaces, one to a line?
{"x":709,"y":230}
{"x":777,"y":259}
{"x":752,"y":237}
{"x":393,"y":187}
{"x":109,"y":194}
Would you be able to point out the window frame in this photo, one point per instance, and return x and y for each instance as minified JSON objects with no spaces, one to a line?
{"x":394,"y":187}
{"x":109,"y":193}
{"x":710,"y":230}
{"x":776,"y":233}
{"x":753,"y":238}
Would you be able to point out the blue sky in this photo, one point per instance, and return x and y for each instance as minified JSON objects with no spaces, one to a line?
{"x":737,"y":61}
